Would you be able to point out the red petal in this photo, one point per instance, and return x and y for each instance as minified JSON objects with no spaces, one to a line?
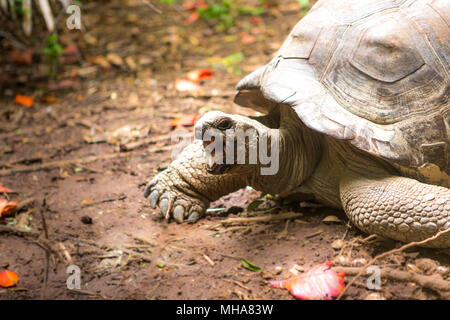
{"x":199,"y":75}
{"x":5,"y":189}
{"x":319,"y":283}
{"x":186,"y":85}
{"x":8,"y":278}
{"x":184,"y":121}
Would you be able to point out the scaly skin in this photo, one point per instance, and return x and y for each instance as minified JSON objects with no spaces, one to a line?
{"x":398,"y":208}
{"x":374,"y":198}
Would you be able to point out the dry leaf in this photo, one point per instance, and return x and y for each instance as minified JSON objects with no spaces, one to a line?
{"x":49,"y":99}
{"x":21,"y":57}
{"x":114,"y":59}
{"x":186,"y":121}
{"x":199,"y":75}
{"x":331,"y":219}
{"x":319,"y":283}
{"x":7,"y":207}
{"x":24,"y":100}
{"x":192,"y":18}
{"x":8,"y":278}
{"x":186,"y":85}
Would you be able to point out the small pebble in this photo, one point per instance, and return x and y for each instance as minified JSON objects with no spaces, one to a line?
{"x":337,"y":244}
{"x":86,"y":220}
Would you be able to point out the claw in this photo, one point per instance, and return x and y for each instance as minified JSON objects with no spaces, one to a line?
{"x":148,"y":188}
{"x":154,"y":198}
{"x":193,"y":217}
{"x":164,"y":207}
{"x":178,"y":214}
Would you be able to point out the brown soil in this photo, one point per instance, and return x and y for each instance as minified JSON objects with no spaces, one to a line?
{"x":133,"y":254}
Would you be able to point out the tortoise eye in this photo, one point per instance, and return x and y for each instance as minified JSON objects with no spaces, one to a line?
{"x":224,"y":124}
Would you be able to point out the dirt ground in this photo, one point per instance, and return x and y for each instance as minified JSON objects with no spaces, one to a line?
{"x":89,"y":153}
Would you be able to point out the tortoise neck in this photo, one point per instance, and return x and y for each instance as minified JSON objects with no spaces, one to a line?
{"x":299,"y":151}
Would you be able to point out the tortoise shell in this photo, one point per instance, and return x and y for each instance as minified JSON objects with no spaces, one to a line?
{"x":372,"y":72}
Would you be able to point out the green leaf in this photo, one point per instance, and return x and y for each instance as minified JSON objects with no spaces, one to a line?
{"x":250,"y":266}
{"x":303,"y":3}
{"x":254,"y":204}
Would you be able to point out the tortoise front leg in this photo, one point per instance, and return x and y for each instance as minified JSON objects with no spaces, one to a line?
{"x":398,"y":208}
{"x":185,"y":189}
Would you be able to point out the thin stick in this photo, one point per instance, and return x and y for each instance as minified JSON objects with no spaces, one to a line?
{"x":148,"y":4}
{"x":47,"y":252}
{"x":265,"y":218}
{"x":406,"y":246}
{"x":434,"y":282}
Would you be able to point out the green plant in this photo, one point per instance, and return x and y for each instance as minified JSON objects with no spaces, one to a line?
{"x":52,"y":51}
{"x":223,"y":13}
{"x":230,"y":63}
{"x":304,"y":6}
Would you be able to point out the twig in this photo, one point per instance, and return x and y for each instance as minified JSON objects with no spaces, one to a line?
{"x":312,"y":235}
{"x":209,"y":260}
{"x":63,"y":237}
{"x":149,"y":4}
{"x":266,"y":218}
{"x":404,"y":247}
{"x":88,"y":293}
{"x":47,"y":252}
{"x":434,"y":282}
{"x":57,"y":164}
{"x":121,"y":197}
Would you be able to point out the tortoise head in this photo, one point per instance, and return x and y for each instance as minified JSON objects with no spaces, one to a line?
{"x":233,"y":143}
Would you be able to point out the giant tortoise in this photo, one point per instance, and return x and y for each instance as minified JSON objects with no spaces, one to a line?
{"x":357,"y":98}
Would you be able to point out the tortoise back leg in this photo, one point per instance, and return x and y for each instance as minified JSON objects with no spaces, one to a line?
{"x":185,"y":189}
{"x":398,"y":208}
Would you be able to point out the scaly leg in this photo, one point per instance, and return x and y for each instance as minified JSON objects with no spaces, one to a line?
{"x":397,"y":207}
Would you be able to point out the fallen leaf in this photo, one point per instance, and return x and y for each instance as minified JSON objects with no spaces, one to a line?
{"x":247,"y":38}
{"x":186,"y":121}
{"x":114,"y":59}
{"x":8,"y":278}
{"x":256,"y":20}
{"x":199,"y":75}
{"x":49,"y":99}
{"x":86,"y":202}
{"x":254,"y":204}
{"x":186,"y":85}
{"x":5,"y":189}
{"x":192,"y":18}
{"x":250,"y":266}
{"x":24,"y":100}
{"x":331,"y":219}
{"x":131,"y":63}
{"x":194,"y":5}
{"x":319,"y":283}
{"x":7,"y":207}
{"x":99,"y":60}
{"x":21,"y":57}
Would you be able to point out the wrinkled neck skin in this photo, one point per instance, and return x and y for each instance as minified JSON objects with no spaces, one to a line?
{"x":300,"y":150}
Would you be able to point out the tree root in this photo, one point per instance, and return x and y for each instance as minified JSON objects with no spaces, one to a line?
{"x":402,"y":248}
{"x":433,"y":282}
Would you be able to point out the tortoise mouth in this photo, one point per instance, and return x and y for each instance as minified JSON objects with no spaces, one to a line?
{"x":216,"y":168}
